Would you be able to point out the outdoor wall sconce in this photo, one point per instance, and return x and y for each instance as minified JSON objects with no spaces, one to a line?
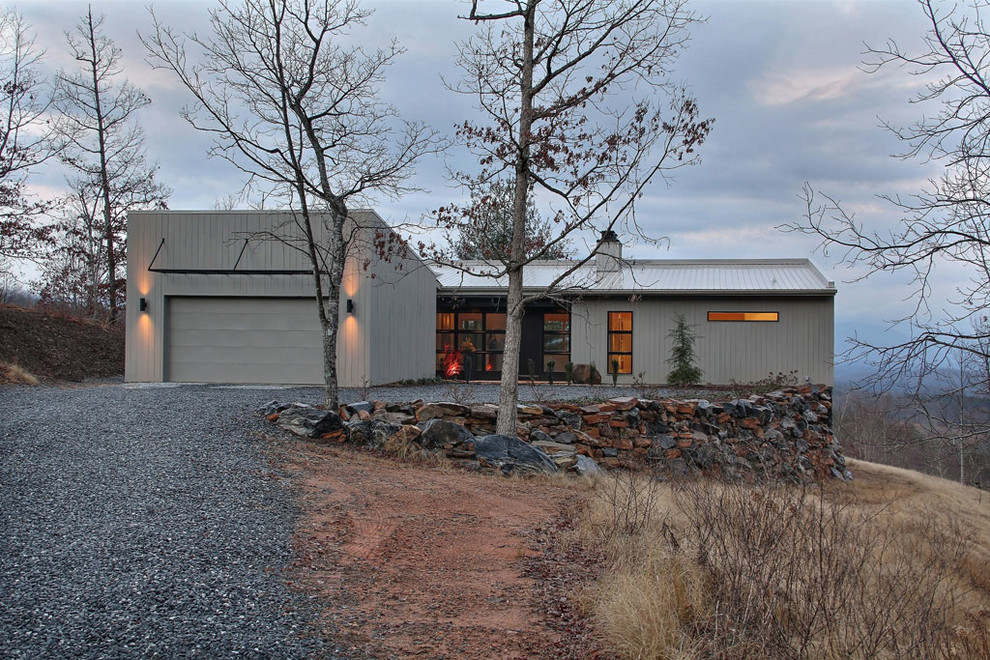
{"x":143,"y":305}
{"x":350,"y":305}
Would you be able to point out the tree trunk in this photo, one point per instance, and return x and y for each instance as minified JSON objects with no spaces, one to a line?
{"x":108,"y":228}
{"x":331,"y":315}
{"x":508,"y":397}
{"x":331,"y":394}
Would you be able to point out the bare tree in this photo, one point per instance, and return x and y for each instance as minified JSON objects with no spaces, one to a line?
{"x":569,"y":93}
{"x":105,"y":145}
{"x":294,"y":104}
{"x":25,"y":138}
{"x":947,"y":224}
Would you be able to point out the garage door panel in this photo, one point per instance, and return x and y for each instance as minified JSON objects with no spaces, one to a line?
{"x":257,"y":320}
{"x":269,"y":339}
{"x":232,"y":355}
{"x":244,"y":340}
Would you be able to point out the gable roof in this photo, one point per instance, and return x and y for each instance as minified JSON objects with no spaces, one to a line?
{"x":651,"y":276}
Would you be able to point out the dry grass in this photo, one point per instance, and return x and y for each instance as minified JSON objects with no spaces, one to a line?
{"x":12,"y":374}
{"x":893,"y":565}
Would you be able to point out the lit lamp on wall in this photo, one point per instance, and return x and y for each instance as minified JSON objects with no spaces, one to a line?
{"x":350,"y":305}
{"x":143,"y":305}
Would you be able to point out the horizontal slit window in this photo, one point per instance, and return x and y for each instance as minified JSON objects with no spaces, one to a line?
{"x":765,"y":317}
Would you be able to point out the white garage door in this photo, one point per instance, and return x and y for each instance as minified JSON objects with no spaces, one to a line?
{"x":243,"y":340}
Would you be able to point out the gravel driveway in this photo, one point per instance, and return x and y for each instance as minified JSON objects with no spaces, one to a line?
{"x":143,"y":521}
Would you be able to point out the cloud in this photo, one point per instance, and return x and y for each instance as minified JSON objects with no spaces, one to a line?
{"x":804,"y":84}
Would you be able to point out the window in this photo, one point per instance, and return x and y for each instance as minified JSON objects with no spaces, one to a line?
{"x":556,"y":341}
{"x":620,"y":341}
{"x":771,"y":317}
{"x":482,"y":332}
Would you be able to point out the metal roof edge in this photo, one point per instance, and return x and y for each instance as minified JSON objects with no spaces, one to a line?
{"x":651,"y":293}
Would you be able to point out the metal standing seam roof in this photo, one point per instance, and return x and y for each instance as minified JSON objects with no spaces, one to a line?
{"x":701,"y":276}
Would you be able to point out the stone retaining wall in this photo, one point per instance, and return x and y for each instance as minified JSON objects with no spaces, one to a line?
{"x":786,"y":433}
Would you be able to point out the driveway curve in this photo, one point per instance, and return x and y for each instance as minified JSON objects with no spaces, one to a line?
{"x":146,"y":521}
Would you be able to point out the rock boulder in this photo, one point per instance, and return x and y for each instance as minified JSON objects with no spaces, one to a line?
{"x":310,"y":422}
{"x":512,"y":456}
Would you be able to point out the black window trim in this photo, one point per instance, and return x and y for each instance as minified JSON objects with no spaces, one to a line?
{"x":608,"y":341}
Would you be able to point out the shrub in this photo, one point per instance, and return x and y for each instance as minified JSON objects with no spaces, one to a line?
{"x":726,"y":570}
{"x":682,"y":358}
{"x":12,"y":374}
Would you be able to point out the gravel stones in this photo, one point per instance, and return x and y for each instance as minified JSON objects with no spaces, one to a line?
{"x":144,"y":522}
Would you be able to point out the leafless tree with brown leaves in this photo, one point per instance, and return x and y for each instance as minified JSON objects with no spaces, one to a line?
{"x":577,"y":107}
{"x":293,"y":103}
{"x":25,"y":137}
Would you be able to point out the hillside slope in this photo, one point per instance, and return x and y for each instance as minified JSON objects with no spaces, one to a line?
{"x":60,"y":348}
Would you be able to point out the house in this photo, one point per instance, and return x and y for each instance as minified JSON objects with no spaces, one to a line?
{"x":216,"y":302}
{"x":213,"y":299}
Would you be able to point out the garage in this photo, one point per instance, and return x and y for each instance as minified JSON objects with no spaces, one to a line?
{"x":243,"y":340}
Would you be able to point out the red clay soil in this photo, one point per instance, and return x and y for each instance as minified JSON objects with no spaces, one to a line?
{"x":411,"y":560}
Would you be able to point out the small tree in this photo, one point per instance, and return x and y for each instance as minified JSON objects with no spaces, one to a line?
{"x":487,"y":230}
{"x":682,"y":358}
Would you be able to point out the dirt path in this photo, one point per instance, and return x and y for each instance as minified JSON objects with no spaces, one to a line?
{"x":417,"y":561}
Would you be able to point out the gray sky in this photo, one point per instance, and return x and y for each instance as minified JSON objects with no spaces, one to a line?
{"x":782,"y":78}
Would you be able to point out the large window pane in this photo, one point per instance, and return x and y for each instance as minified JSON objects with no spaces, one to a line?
{"x":445,"y":321}
{"x":557,"y":322}
{"x":625,"y":362}
{"x":556,"y":343}
{"x":495,"y":341}
{"x":558,"y":362}
{"x":477,"y":340}
{"x":620,"y":343}
{"x":495,"y":321}
{"x":445,"y":339}
{"x":469,"y":322}
{"x":620,"y":321}
{"x":493,"y":362}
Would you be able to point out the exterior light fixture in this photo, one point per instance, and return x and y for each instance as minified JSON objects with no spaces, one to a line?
{"x":350,"y":305}
{"x":143,"y":305}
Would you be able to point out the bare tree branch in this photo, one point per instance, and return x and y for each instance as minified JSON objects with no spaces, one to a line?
{"x":290,"y":102}
{"x":569,"y":94}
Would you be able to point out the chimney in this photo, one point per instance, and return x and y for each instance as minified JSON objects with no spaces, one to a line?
{"x":609,"y":256}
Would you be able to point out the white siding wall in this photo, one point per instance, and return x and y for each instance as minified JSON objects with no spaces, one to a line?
{"x":386,"y":307}
{"x":403,"y":305}
{"x":802,"y":340}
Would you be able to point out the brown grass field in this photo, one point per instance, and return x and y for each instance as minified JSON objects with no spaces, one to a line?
{"x":895,"y":564}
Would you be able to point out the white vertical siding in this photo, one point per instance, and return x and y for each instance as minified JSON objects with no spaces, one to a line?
{"x":801,"y":341}
{"x":403,"y":334}
{"x":396,"y":313}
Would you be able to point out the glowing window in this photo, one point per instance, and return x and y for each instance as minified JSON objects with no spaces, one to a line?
{"x":620,"y":342}
{"x":766,"y":317}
